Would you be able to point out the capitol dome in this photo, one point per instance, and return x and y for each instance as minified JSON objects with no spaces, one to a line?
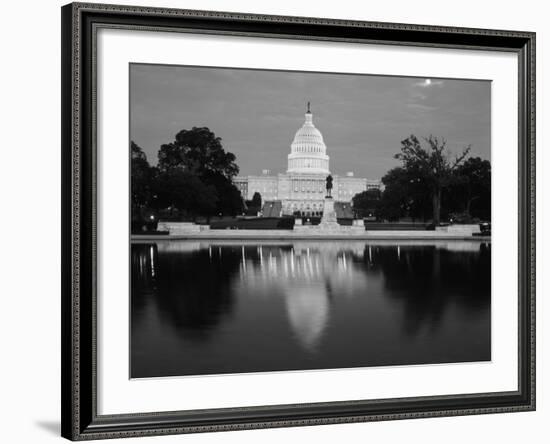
{"x":308,"y":152}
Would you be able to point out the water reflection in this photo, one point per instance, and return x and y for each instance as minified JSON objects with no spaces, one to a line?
{"x":190,"y":291}
{"x":219,"y":307}
{"x":305,"y":275}
{"x":427,"y":280}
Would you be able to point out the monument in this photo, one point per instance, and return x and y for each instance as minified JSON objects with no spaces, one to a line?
{"x":329,"y":186}
{"x":329,"y":220}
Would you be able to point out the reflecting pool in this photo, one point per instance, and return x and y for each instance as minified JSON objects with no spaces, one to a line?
{"x":211,"y":307}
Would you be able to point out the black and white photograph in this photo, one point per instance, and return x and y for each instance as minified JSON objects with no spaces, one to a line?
{"x":296,"y":220}
{"x":278,"y":221}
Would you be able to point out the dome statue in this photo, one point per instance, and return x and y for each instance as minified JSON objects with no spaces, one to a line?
{"x":308,"y":152}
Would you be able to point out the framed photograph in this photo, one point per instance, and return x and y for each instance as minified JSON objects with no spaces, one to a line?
{"x":275,"y":221}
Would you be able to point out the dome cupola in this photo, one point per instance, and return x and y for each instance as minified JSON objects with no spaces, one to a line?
{"x":308,"y":150}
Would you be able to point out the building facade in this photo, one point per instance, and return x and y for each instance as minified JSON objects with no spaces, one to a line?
{"x":302,"y":188}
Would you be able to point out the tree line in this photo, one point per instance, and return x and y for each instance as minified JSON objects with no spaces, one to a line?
{"x":430,"y":185}
{"x":194,"y":177}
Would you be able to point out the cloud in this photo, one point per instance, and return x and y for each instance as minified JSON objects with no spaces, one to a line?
{"x":419,"y":95}
{"x":427,"y":83}
{"x":420,"y":107}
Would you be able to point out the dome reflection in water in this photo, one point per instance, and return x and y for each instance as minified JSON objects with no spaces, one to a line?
{"x":228,"y":307}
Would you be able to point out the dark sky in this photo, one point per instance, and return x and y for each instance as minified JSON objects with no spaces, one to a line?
{"x":257,"y":112}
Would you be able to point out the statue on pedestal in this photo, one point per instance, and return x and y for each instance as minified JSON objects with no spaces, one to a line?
{"x":329,"y":186}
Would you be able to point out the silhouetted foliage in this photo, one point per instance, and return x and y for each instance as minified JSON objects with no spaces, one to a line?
{"x":229,"y":201}
{"x":406,"y":194}
{"x":471,"y":191}
{"x":366,"y":203}
{"x":195,"y":175}
{"x":180,"y":189}
{"x":141,"y":177}
{"x":197,"y":151}
{"x":254,"y":205}
{"x":256,"y":200}
{"x":432,"y":165}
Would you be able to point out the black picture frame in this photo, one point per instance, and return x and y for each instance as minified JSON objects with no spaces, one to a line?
{"x":80,"y":420}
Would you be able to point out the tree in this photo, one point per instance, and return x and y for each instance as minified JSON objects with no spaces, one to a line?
{"x":141,"y":176}
{"x":229,"y":200}
{"x":366,"y":203}
{"x":405,"y":194}
{"x":254,"y":205}
{"x":256,"y":200}
{"x":180,"y":189}
{"x":200,"y":155}
{"x":197,"y":151}
{"x":432,"y":165}
{"x":473,"y":187}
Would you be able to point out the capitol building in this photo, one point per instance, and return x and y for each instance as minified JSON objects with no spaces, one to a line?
{"x":302,"y":188}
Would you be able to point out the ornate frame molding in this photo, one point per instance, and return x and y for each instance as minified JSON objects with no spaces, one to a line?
{"x":80,"y":22}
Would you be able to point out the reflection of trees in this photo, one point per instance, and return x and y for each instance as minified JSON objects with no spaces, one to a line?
{"x":192,"y":289}
{"x":429,"y":278}
{"x":194,"y":286}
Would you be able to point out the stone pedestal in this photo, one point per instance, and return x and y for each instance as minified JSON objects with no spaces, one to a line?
{"x":329,"y":219}
{"x":466,"y":229}
{"x":179,"y":228}
{"x":329,"y":225}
